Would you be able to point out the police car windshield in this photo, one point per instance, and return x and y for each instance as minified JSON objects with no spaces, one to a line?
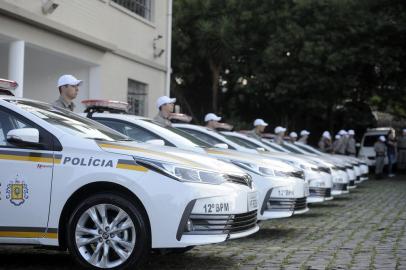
{"x":241,"y":142}
{"x":291,"y":148}
{"x":309,"y":149}
{"x":275,"y":147}
{"x":70,"y":122}
{"x":181,"y":135}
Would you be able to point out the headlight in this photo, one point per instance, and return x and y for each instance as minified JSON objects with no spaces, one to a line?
{"x":317,"y":183}
{"x":185,"y":174}
{"x":282,"y":173}
{"x":267,"y":172}
{"x":263,"y":171}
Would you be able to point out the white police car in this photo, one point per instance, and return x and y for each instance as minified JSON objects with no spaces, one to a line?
{"x":71,"y":182}
{"x":281,"y":189}
{"x":318,"y":176}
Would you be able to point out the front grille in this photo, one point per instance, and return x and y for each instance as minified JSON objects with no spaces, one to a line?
{"x":222,"y":224}
{"x":339,"y":186}
{"x":351,"y":183}
{"x":287,"y":204}
{"x":320,"y":192}
{"x":325,"y":169}
{"x":245,"y":180}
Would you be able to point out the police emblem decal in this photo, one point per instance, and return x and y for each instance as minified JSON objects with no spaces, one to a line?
{"x":17,"y":192}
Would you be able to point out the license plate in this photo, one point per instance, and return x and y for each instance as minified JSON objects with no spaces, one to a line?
{"x":252,"y":201}
{"x":216,"y":207}
{"x":285,"y":193}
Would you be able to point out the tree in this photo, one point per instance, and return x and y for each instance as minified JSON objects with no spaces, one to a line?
{"x":293,"y":62}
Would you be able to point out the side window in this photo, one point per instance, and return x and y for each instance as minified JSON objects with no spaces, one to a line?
{"x":10,"y":121}
{"x":131,"y":130}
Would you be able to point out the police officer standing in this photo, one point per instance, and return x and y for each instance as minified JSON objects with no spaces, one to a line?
{"x":351,"y":150}
{"x":68,"y":87}
{"x":392,"y":148}
{"x":402,"y":151}
{"x":293,"y":137}
{"x":259,"y":127}
{"x":325,"y":142}
{"x":380,"y":153}
{"x":165,"y":106}
{"x":212,"y":120}
{"x":280,"y":134}
{"x":304,"y":135}
{"x":342,"y":143}
{"x":336,"y":143}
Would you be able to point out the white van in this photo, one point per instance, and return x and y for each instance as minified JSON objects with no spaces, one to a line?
{"x":367,"y":152}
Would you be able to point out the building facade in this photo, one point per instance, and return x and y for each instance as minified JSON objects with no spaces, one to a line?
{"x":119,"y":48}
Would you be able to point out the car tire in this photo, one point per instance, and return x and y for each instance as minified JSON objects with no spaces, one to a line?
{"x":108,"y":231}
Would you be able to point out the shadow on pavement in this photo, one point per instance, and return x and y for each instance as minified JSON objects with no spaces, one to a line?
{"x":28,"y":258}
{"x":273,"y":233}
{"x":309,"y":214}
{"x":343,"y":198}
{"x":324,"y":205}
{"x":187,"y":260}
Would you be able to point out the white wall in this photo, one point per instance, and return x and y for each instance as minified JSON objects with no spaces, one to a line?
{"x":49,"y":55}
{"x":42,"y":71}
{"x":115,"y":73}
{"x":108,"y":22}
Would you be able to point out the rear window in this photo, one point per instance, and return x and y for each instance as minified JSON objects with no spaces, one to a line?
{"x":370,"y":140}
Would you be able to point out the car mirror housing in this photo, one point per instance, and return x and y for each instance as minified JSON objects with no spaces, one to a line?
{"x":221,"y":145}
{"x":158,"y":142}
{"x":23,"y":135}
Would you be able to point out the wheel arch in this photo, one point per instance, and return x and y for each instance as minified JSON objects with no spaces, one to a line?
{"x":91,"y":189}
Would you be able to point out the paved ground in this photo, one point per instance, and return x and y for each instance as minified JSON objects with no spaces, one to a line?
{"x":362,"y":230}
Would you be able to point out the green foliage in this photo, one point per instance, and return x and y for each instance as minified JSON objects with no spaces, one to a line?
{"x":291,"y":62}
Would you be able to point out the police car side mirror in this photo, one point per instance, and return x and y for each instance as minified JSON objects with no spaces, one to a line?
{"x":221,"y":145}
{"x":358,"y":145}
{"x":156,"y":142}
{"x":24,"y":136}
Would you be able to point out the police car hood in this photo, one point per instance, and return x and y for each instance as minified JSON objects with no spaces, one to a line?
{"x":291,"y":158}
{"x":170,"y":155}
{"x":258,"y":159}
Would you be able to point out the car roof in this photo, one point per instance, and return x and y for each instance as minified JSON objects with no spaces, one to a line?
{"x":117,"y":116}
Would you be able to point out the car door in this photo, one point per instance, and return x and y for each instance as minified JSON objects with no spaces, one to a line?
{"x":25,"y":182}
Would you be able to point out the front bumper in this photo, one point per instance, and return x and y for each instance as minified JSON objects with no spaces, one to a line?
{"x":202,"y":204}
{"x":339,"y":189}
{"x":234,"y":225}
{"x":288,"y":205}
{"x":319,"y":195}
{"x":284,"y":199}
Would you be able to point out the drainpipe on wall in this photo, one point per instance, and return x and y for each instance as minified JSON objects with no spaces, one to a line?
{"x":168,"y":50}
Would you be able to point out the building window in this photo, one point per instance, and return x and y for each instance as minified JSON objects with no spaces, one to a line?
{"x":142,"y":8}
{"x":137,"y":97}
